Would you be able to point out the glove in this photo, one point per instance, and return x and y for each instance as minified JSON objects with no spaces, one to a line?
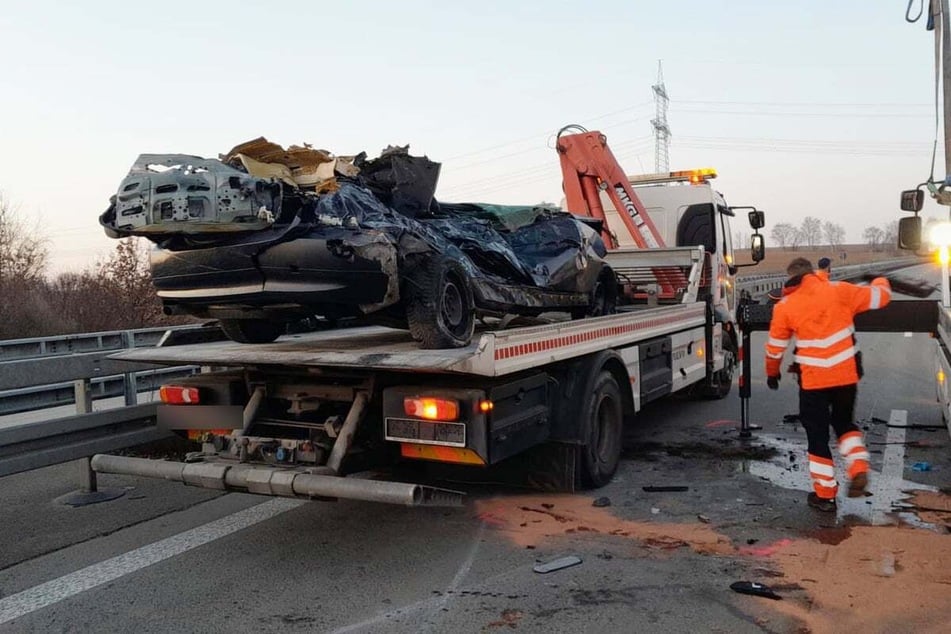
{"x":772,"y":382}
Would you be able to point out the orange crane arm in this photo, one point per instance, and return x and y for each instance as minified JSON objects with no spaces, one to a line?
{"x":588,"y":167}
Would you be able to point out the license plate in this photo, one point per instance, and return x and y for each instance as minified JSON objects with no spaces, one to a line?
{"x":426,"y":432}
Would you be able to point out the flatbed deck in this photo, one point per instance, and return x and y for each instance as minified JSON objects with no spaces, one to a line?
{"x":492,"y":353}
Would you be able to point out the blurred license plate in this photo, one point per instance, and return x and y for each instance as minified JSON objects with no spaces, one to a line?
{"x":426,"y":432}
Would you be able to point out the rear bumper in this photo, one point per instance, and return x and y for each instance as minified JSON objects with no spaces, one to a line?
{"x":311,"y":274}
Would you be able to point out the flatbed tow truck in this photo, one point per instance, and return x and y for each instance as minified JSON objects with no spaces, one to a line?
{"x":291,"y":417}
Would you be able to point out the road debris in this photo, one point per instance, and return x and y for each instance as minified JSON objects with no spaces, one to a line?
{"x":510,"y":618}
{"x":921,"y":466}
{"x":601,"y":502}
{"x":557,"y":564}
{"x":704,"y":519}
{"x":755,"y":589}
{"x":577,"y":518}
{"x":678,"y":488}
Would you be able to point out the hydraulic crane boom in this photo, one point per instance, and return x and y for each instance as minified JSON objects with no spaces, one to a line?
{"x":588,"y":167}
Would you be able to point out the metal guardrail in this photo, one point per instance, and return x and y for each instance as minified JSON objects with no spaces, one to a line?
{"x":33,"y":446}
{"x":760,"y":284}
{"x":44,"y":372}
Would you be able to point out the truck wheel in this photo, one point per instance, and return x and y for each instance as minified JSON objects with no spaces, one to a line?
{"x":722,"y":379}
{"x":439,"y":304}
{"x":603,"y":417}
{"x":252,"y":330}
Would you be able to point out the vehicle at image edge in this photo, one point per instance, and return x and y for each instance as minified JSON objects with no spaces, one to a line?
{"x":285,"y":418}
{"x":910,"y":238}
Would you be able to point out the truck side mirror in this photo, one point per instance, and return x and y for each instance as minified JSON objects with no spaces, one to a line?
{"x":757,"y":219}
{"x":909,"y":230}
{"x":912,"y":200}
{"x":758,"y":245}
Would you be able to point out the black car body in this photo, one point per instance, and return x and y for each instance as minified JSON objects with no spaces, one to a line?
{"x":260,"y":252}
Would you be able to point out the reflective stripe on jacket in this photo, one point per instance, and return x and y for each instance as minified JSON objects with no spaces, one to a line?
{"x":819,"y":314}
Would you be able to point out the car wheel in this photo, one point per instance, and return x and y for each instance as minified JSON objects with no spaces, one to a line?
{"x":440,"y":309}
{"x":603,"y":299}
{"x":252,"y":330}
{"x":603,"y":419}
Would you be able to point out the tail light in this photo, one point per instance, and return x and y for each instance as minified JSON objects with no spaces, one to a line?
{"x":431,"y":408}
{"x":179,"y":395}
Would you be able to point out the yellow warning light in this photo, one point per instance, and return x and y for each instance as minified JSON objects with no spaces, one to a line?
{"x":699,"y":351}
{"x":696,"y":176}
{"x":941,"y":377}
{"x":943,"y":256}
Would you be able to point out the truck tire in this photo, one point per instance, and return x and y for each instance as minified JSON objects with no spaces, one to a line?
{"x":603,"y":419}
{"x":440,"y":309}
{"x":252,"y":330}
{"x":722,"y":381}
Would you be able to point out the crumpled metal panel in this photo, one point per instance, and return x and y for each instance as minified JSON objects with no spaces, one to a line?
{"x":178,"y":193}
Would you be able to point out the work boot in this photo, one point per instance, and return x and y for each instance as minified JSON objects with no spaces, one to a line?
{"x":826,"y":505}
{"x":858,"y":485}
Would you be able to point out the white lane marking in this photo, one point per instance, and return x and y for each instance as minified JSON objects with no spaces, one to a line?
{"x":437,"y":603}
{"x":893,"y":466}
{"x":46,"y":594}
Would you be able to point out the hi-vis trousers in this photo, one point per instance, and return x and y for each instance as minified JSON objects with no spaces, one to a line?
{"x":835,"y":407}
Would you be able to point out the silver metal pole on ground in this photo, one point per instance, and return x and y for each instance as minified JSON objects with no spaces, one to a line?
{"x":279,"y":482}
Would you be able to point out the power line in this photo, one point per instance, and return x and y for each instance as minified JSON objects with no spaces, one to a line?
{"x":536,"y":136}
{"x":806,"y":104}
{"x":776,"y":113}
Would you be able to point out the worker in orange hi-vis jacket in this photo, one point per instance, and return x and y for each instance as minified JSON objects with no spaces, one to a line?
{"x":819,"y":314}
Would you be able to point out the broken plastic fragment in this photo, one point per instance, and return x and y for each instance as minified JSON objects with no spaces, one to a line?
{"x":755,"y":589}
{"x":557,"y":564}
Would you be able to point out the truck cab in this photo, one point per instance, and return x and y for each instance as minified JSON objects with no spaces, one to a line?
{"x":687,"y":211}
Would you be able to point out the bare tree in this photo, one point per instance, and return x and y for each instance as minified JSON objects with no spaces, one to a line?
{"x":835,"y":234}
{"x":782,"y":234}
{"x":797,"y":240}
{"x":873,"y":236}
{"x":811,"y":229}
{"x":125,"y":278}
{"x":890,"y":236}
{"x":23,"y":254}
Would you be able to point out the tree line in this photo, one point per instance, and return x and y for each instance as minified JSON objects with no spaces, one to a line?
{"x":112,"y":294}
{"x":813,"y":233}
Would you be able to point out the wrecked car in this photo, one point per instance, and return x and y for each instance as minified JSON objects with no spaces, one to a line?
{"x":264,"y":236}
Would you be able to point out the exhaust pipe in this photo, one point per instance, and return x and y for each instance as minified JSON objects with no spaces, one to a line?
{"x":281,"y":482}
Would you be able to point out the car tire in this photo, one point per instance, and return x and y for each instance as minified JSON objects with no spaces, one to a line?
{"x":252,"y":330}
{"x":603,"y":419}
{"x":603,"y":298}
{"x":440,"y":309}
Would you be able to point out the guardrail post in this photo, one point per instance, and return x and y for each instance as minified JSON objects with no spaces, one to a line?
{"x":130,"y":389}
{"x":88,"y":492}
{"x":83,"y":393}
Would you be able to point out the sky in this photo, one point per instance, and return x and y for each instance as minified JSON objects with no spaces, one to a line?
{"x":804,"y":108}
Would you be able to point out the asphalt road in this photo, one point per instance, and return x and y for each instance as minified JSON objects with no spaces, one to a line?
{"x":166,"y":558}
